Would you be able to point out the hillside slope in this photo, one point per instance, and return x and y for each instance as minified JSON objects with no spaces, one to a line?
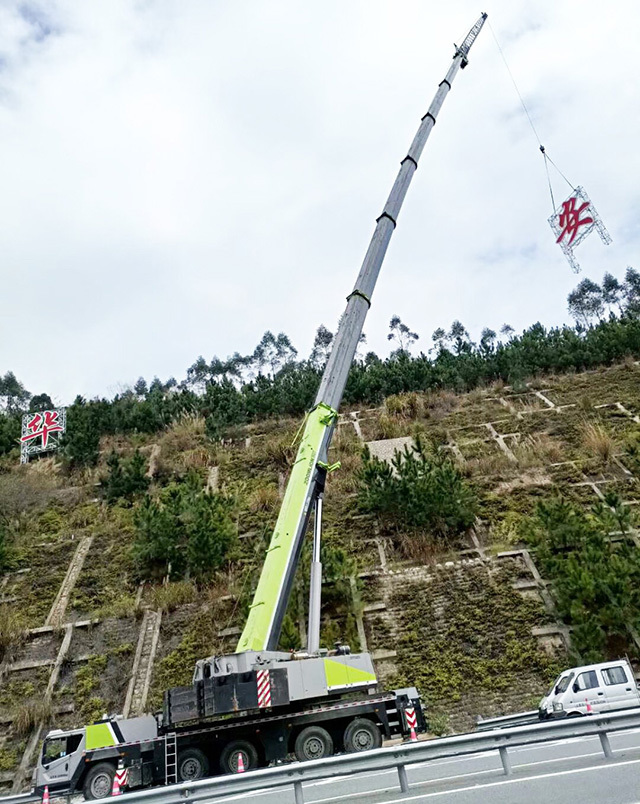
{"x":475,"y":623}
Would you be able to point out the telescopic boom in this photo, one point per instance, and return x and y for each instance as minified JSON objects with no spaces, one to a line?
{"x":306,"y":482}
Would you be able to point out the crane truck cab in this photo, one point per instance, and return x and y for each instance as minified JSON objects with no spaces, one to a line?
{"x":86,"y":759}
{"x":591,"y":689}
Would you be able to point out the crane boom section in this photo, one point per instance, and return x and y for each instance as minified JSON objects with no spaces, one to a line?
{"x":272,"y":593}
{"x":263,"y":626}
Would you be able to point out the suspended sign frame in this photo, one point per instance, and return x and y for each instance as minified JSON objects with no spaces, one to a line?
{"x":573,"y":221}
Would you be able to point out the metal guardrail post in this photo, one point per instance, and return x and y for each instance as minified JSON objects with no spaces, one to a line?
{"x":606,"y":745}
{"x":402,"y":777}
{"x":298,"y":792}
{"x":506,"y":762}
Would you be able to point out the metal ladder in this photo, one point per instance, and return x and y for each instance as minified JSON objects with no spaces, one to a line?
{"x":170,"y":759}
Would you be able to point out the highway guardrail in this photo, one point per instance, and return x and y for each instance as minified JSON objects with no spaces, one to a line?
{"x":20,"y":798}
{"x":519,"y":719}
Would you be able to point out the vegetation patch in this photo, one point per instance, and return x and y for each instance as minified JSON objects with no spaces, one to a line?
{"x":465,"y":633}
{"x":596,"y":580}
{"x":186,"y":529}
{"x":421,"y":490}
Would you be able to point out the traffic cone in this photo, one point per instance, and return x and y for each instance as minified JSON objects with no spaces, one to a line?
{"x":410,"y":717}
{"x":115,"y":787}
{"x":45,"y":795}
{"x":589,"y":709}
{"x":240,"y":762}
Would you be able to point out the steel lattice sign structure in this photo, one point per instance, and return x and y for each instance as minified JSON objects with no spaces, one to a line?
{"x":41,"y":432}
{"x":574,"y":220}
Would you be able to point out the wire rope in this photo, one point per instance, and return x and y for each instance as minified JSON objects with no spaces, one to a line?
{"x":547,"y":159}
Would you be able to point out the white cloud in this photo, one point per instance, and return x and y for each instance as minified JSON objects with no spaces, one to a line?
{"x":177,"y":178}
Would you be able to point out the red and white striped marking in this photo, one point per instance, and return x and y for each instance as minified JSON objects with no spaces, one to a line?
{"x":412,"y":722}
{"x":119,"y":781}
{"x":264,"y":689}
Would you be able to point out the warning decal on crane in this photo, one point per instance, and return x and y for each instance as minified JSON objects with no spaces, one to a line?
{"x":574,"y":220}
{"x":264,"y":689}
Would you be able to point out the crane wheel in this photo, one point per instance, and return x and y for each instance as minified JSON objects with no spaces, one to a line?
{"x":361,"y":735}
{"x":99,"y":781}
{"x":230,"y":754}
{"x":192,"y":765}
{"x":314,"y":742}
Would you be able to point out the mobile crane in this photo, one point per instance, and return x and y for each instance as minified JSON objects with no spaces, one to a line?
{"x":259,"y":705}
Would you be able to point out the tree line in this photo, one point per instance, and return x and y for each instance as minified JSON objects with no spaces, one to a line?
{"x":272,"y":381}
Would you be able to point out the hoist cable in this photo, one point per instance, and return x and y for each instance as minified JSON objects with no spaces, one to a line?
{"x":559,"y":171}
{"x":546,"y":167}
{"x":513,"y":80}
{"x":547,"y":158}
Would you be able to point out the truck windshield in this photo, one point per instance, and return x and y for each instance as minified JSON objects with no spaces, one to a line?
{"x":57,"y":747}
{"x":54,"y":749}
{"x":563,"y":684}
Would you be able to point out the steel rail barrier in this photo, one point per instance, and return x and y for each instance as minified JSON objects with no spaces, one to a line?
{"x":20,"y":798}
{"x":519,"y":719}
{"x":389,"y":758}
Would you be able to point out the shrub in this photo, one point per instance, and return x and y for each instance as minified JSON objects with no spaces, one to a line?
{"x":8,"y":759}
{"x":126,"y":477}
{"x":289,"y":636}
{"x":187,"y":529}
{"x":31,"y":714}
{"x":598,"y":442}
{"x":421,"y":489}
{"x":264,"y":498}
{"x":407,"y":406}
{"x":170,"y":596}
{"x":12,"y":630}
{"x":438,"y":723}
{"x":120,"y":608}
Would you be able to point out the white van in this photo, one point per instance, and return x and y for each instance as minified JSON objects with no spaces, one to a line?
{"x":591,"y":689}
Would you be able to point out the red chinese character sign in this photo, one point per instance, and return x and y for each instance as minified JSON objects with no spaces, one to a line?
{"x":573,"y":221}
{"x":41,"y":432}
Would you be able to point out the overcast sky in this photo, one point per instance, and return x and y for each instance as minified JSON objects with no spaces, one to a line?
{"x":178,"y":176}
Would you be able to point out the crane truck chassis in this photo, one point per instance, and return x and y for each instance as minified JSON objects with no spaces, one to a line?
{"x":85,"y":760}
{"x":259,"y":703}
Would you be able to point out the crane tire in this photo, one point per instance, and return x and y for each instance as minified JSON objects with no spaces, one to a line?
{"x":229,"y":756}
{"x":98,"y":782}
{"x":313,"y":742}
{"x":192,"y":765}
{"x":361,"y":735}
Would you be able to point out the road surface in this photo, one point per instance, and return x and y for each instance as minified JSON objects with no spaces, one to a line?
{"x":563,"y":772}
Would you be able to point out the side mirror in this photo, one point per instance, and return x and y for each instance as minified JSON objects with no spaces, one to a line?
{"x":575,"y":687}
